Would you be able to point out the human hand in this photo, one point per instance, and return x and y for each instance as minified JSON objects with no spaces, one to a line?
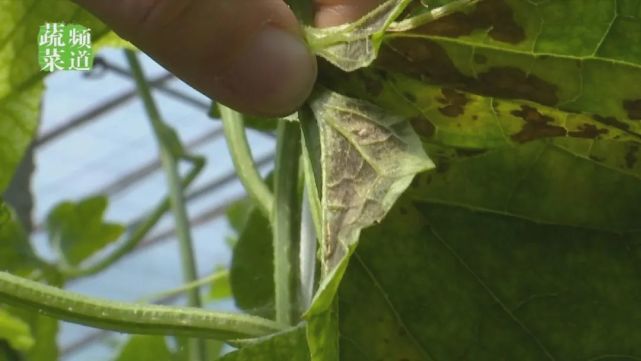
{"x":247,"y":54}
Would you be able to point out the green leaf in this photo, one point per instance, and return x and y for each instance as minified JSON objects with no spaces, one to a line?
{"x":145,"y":348}
{"x":526,"y":253}
{"x":368,"y":159}
{"x":112,"y":40}
{"x":323,"y":335}
{"x":288,"y":345}
{"x":16,"y":254}
{"x":44,"y":331}
{"x":214,"y":349}
{"x":15,"y":331}
{"x":221,"y":288}
{"x":238,"y":214}
{"x":78,"y":231}
{"x":252,"y":267}
{"x":21,"y":84}
{"x":5,"y":213}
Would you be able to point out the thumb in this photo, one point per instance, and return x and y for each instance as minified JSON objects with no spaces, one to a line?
{"x":337,"y":12}
{"x":247,"y":54}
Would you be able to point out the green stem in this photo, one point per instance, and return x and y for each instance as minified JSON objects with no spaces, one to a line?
{"x":284,"y":213}
{"x":139,"y":234}
{"x":234,"y":128}
{"x":422,"y":19}
{"x":169,"y":159}
{"x":311,"y":164}
{"x":217,"y":276}
{"x":130,"y":317}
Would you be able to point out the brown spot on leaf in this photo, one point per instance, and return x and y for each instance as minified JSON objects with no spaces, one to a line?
{"x":587,"y":131}
{"x":424,"y":59}
{"x":633,"y":107}
{"x":423,"y":126}
{"x":452,"y":25}
{"x":429,"y":62}
{"x":514,"y":83}
{"x":496,"y":16}
{"x":612,"y":121}
{"x":454,"y":103}
{"x":631,"y":157}
{"x":536,"y":125}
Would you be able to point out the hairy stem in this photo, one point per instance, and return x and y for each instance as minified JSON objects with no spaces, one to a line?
{"x":284,"y":213}
{"x":217,"y":276}
{"x":169,"y":159}
{"x":236,"y":138}
{"x":422,"y":19}
{"x":130,"y":317}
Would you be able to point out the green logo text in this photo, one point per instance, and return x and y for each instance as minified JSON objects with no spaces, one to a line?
{"x":64,"y":47}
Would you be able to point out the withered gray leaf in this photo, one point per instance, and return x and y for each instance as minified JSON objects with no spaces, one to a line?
{"x":368,"y":159}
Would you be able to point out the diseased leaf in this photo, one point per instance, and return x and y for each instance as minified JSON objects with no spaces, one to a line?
{"x":368,"y":159}
{"x":15,"y":331}
{"x":77,"y":230}
{"x":288,"y":345}
{"x":511,"y":71}
{"x":354,"y":46}
{"x":525,"y":253}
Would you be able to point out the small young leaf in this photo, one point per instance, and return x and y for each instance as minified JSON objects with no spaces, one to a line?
{"x":252,"y":267}
{"x":353,"y":46}
{"x":145,"y":348}
{"x":77,"y":230}
{"x":44,"y":331}
{"x":16,"y":254}
{"x":221,"y":288}
{"x":15,"y":331}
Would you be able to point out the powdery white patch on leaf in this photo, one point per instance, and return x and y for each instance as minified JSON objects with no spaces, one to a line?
{"x":368,"y":159}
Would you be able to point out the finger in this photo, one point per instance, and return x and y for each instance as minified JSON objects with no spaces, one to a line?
{"x":248,"y":54}
{"x":337,"y":12}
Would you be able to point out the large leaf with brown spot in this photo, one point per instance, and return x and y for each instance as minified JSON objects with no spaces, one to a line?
{"x":523,"y":244}
{"x":508,"y":72}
